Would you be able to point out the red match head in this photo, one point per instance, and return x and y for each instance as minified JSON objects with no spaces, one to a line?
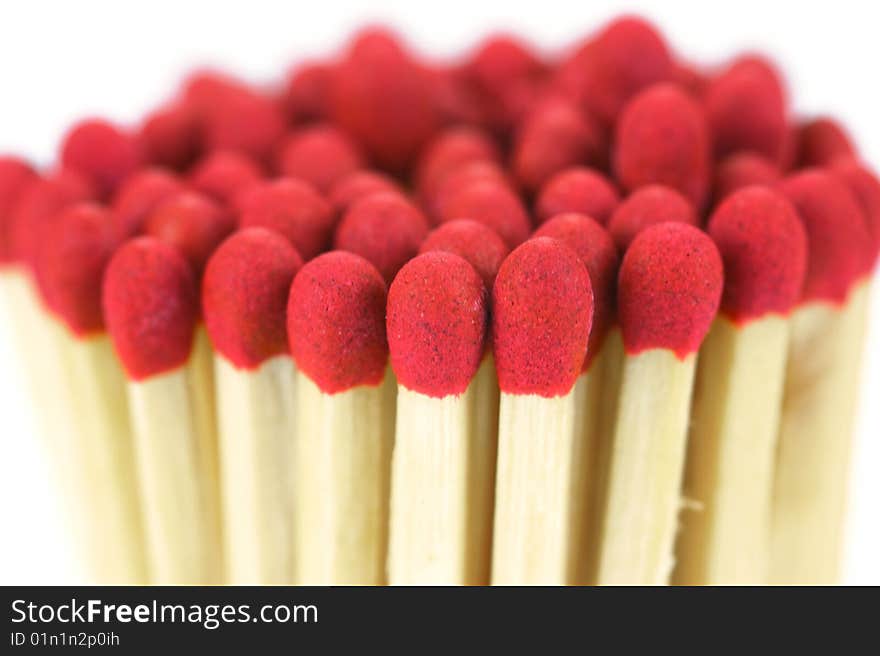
{"x":359,"y":184}
{"x":594,"y":245}
{"x":306,"y":92}
{"x":669,"y":289}
{"x":70,"y":266}
{"x":244,"y":296}
{"x":436,"y":324}
{"x":492,"y":203}
{"x":150,"y":301}
{"x":743,"y":170}
{"x":448,"y":152}
{"x":336,"y":322}
{"x":822,"y":140}
{"x":648,"y":206}
{"x":542,"y":313}
{"x":555,"y":136}
{"x":746,"y":107}
{"x":475,"y":242}
{"x":764,"y":249}
{"x":139,"y":195}
{"x":224,"y":175}
{"x":292,"y":208}
{"x":385,"y":228}
{"x":580,"y":190}
{"x":170,"y":136}
{"x":102,"y":152}
{"x":663,"y":138}
{"x":865,"y":186}
{"x":436,"y":199}
{"x":320,"y":155}
{"x":193,"y":224}
{"x":15,"y":176}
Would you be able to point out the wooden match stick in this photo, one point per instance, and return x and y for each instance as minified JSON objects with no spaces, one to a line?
{"x":669,"y":290}
{"x":442,"y":465}
{"x":151,"y":305}
{"x":821,"y":387}
{"x":345,"y":420}
{"x":725,"y":536}
{"x":244,"y":299}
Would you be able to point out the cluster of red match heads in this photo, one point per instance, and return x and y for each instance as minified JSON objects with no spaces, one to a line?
{"x":510,"y":201}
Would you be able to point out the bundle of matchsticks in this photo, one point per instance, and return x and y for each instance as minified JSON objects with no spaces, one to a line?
{"x":588,"y":317}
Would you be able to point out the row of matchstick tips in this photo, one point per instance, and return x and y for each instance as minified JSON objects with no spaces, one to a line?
{"x":458,"y":366}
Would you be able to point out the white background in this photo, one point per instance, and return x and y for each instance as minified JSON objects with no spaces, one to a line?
{"x":61,"y":60}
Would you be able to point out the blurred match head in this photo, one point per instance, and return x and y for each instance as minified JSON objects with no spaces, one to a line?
{"x":764,"y":249}
{"x":663,"y":138}
{"x":649,"y":206}
{"x":594,"y":245}
{"x":102,"y":152}
{"x":492,"y":203}
{"x":477,"y":243}
{"x":15,"y":175}
{"x":542,"y":314}
{"x":577,"y":189}
{"x":437,"y":319}
{"x":223,"y":175}
{"x":70,"y":266}
{"x":292,"y":208}
{"x":743,"y":170}
{"x":170,"y":136}
{"x":305,"y":94}
{"x":336,"y":322}
{"x":449,"y":151}
{"x":840,"y":244}
{"x":359,"y":184}
{"x":244,"y":296}
{"x":669,"y":289}
{"x":320,"y":155}
{"x":139,"y":195}
{"x":150,"y":300}
{"x":821,"y":140}
{"x":865,"y":186}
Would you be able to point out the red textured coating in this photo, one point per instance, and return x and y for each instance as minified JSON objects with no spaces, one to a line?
{"x":102,"y":152}
{"x":70,"y":266}
{"x":448,"y":152}
{"x":646,"y":207}
{"x":244,"y":296}
{"x":669,"y":289}
{"x":627,"y":56}
{"x":384,"y":228}
{"x":594,"y":245}
{"x":690,"y":77}
{"x":555,"y":136}
{"x":822,"y":140}
{"x":865,"y":186}
{"x":292,"y":208}
{"x":577,"y":189}
{"x":743,"y":170}
{"x":170,"y":136}
{"x":32,"y":220}
{"x":663,"y":138}
{"x":336,"y":322}
{"x":139,"y":195}
{"x":193,"y":224}
{"x":492,"y":203}
{"x":306,"y":92}
{"x":746,"y":107}
{"x":475,"y":242}
{"x":150,"y":300}
{"x":15,"y":176}
{"x":468,"y":173}
{"x":357,"y":185}
{"x":457,"y":99}
{"x":319,"y":154}
{"x":382,"y":97}
{"x":840,"y":245}
{"x":436,"y":322}
{"x":542,"y":314}
{"x":764,"y":249}
{"x":225,"y":174}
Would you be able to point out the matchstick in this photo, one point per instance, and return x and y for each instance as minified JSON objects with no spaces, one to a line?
{"x":442,"y":465}
{"x":244,"y":300}
{"x":542,"y":316}
{"x":345,"y":420}
{"x":151,"y":306}
{"x":821,"y":386}
{"x":728,"y":483}
{"x":669,"y":290}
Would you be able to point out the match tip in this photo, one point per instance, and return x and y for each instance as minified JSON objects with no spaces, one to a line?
{"x":542,"y":316}
{"x":649,"y":206}
{"x":139,"y":195}
{"x":244,"y":296}
{"x":865,"y":186}
{"x":743,"y":170}
{"x":15,"y":176}
{"x":336,"y":322}
{"x":385,"y":228}
{"x":150,"y":302}
{"x":669,"y":289}
{"x":477,"y":243}
{"x":359,"y":184}
{"x":225,"y":174}
{"x":493,"y":203}
{"x":580,"y":190}
{"x":821,"y":141}
{"x":101,"y":151}
{"x":448,"y":152}
{"x":320,"y":154}
{"x":436,"y":323}
{"x":764,"y":249}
